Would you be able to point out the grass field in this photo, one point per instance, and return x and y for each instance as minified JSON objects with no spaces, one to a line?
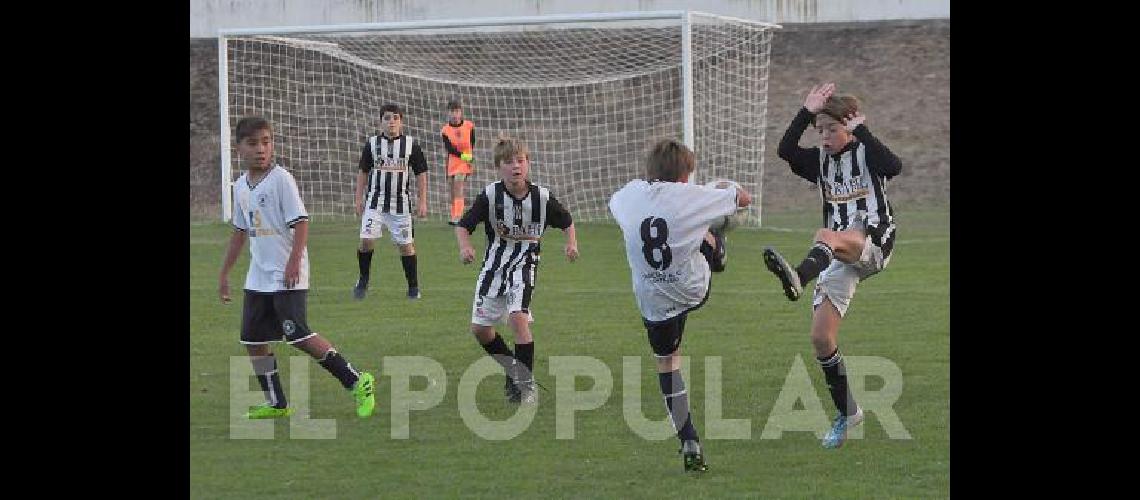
{"x":585,"y":309}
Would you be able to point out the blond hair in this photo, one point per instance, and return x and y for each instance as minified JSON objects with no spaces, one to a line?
{"x":509,"y":147}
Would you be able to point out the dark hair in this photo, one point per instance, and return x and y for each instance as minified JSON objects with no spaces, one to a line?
{"x":839,"y":107}
{"x":251,"y":125}
{"x":668,"y":161}
{"x":454,"y":104}
{"x":391,"y":108}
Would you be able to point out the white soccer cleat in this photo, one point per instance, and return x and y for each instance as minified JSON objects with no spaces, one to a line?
{"x":838,"y":433}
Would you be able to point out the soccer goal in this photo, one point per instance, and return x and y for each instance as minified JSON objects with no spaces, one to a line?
{"x":589,"y":94}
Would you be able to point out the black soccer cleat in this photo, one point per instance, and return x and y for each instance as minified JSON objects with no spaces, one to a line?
{"x":414,"y":292}
{"x":720,"y":253}
{"x":511,"y":391}
{"x":789,"y":279}
{"x":360,"y":289}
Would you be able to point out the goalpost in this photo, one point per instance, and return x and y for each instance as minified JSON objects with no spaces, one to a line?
{"x":588,"y":93}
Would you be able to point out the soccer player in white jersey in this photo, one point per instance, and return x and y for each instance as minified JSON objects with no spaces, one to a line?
{"x":851,"y":168}
{"x":268,"y":211}
{"x":665,"y":221}
{"x":382,"y":196}
{"x":515,"y":213}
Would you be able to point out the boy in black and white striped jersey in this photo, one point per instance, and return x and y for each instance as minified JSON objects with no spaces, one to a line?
{"x":382,"y":197}
{"x":851,"y":168}
{"x":515,"y":213}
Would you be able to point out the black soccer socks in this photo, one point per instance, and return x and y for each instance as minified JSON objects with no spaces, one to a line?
{"x":340,"y":368}
{"x":524,"y":353}
{"x":409,"y":262}
{"x":835,"y":373}
{"x":265,"y":367}
{"x":818,"y":258}
{"x":365,"y":261}
{"x":677,"y":400}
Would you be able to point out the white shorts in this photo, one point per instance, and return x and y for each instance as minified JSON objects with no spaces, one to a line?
{"x":372,"y":224}
{"x":839,"y":280}
{"x":487,"y":311}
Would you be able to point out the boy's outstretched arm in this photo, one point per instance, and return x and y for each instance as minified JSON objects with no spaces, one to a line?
{"x":293,"y":265}
{"x":743,"y":198}
{"x":467,"y":224}
{"x":880,"y":159}
{"x":804,"y":162}
{"x":447,"y":145}
{"x":466,"y":251}
{"x":233,"y":249}
{"x":363,"y":168}
{"x":571,"y":243}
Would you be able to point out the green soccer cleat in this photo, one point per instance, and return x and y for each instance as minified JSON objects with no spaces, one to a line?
{"x":365,"y":395}
{"x":695,"y":463}
{"x":264,"y":411}
{"x":694,"y":459}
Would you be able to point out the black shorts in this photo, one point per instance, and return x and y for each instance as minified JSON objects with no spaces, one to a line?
{"x":665,"y":336}
{"x":273,"y":317}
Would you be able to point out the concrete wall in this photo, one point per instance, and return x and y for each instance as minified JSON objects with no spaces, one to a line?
{"x":207,"y":16}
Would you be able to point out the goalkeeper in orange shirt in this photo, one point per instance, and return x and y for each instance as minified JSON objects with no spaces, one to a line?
{"x":459,"y":140}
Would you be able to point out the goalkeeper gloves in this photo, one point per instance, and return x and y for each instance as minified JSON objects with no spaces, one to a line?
{"x":467,"y":157}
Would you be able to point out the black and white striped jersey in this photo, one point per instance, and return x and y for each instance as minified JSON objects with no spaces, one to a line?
{"x":851,"y":181}
{"x":514,"y":228}
{"x":386,"y":161}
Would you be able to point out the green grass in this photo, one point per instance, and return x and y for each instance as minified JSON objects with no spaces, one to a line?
{"x":586,"y":309}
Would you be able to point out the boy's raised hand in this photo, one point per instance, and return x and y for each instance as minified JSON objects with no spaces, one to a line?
{"x":817,"y":97}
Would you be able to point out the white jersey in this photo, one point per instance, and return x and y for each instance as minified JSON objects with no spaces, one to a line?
{"x":663,"y":224}
{"x":267,"y":213}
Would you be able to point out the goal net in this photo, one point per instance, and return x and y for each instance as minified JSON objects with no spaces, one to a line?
{"x":588,"y":94}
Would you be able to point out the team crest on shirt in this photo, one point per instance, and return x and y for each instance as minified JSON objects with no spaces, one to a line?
{"x":289,"y":327}
{"x":261,"y":200}
{"x":849,"y":190}
{"x":656,"y":276}
{"x":526,"y":232}
{"x":393,"y":164}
